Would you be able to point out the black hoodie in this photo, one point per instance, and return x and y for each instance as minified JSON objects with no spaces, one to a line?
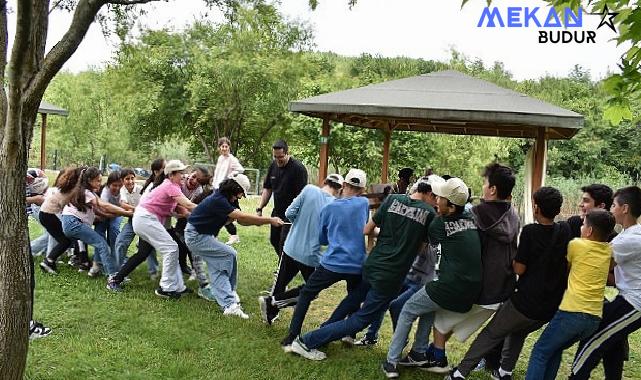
{"x":498,"y":224}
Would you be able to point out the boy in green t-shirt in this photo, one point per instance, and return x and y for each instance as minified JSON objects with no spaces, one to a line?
{"x":459,"y":282}
{"x":403,"y":222}
{"x":580,"y":311}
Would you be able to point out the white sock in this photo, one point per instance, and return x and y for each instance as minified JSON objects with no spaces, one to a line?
{"x":458,"y":374}
{"x":503,"y":372}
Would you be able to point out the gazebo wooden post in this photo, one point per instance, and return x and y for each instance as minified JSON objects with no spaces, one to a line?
{"x":43,"y":136}
{"x":538,"y":169}
{"x":324,"y":152}
{"x":387,"y":135}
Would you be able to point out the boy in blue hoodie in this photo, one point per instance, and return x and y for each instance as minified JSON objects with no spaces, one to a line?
{"x":341,"y":229}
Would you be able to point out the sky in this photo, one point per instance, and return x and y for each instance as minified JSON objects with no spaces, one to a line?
{"x":426,"y":29}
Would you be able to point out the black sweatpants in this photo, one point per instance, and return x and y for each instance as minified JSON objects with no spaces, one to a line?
{"x":53,"y":225}
{"x":620,"y":319}
{"x":144,"y":250}
{"x":288,"y":268}
{"x":277,"y":236}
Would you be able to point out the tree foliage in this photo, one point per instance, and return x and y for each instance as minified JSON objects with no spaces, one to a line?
{"x":232,"y":79}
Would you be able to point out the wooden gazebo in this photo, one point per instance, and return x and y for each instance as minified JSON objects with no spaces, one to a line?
{"x":447,"y":102}
{"x":44,"y":110}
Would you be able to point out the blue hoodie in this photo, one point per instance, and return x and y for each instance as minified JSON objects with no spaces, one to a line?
{"x":342,"y":223}
{"x":304,"y":213}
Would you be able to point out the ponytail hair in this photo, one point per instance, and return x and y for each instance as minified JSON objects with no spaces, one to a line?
{"x":157,"y":164}
{"x":68,"y":179}
{"x":86,"y":175}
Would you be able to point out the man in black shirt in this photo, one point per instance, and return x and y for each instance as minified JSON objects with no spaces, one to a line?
{"x":285,"y":178}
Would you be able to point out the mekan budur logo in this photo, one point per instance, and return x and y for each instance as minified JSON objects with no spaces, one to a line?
{"x":561,"y":26}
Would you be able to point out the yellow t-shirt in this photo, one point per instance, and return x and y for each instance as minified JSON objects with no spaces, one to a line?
{"x":589,"y":263}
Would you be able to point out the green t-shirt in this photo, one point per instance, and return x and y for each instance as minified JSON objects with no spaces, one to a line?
{"x":459,"y":281}
{"x":404,"y":225}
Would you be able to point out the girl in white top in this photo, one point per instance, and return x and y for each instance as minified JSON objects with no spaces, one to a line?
{"x":78,"y":217}
{"x":108,"y":225}
{"x":55,"y":200}
{"x":227,"y":165}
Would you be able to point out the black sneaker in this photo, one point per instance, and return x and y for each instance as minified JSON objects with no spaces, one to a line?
{"x":453,"y":376}
{"x":390,"y":370}
{"x":268,"y":312}
{"x":185,"y":292}
{"x":436,"y":366}
{"x":414,"y":359}
{"x":74,"y":261}
{"x":84,"y":267}
{"x":49,"y":266}
{"x":38,"y":330}
{"x":172,"y":295}
{"x":496,"y":375}
{"x":365,"y":342}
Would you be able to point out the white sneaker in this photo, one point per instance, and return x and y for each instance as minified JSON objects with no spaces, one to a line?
{"x":235,"y":310}
{"x":236,"y":297}
{"x":301,"y":349}
{"x":233,"y":239}
{"x":348,"y":340}
{"x":95,"y":270}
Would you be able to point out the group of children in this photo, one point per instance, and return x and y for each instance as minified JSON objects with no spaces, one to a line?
{"x":435,"y":260}
{"x":453,"y":269}
{"x":77,"y":209}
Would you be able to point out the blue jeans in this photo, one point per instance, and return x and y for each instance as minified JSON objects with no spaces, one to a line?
{"x":41,"y":243}
{"x":409,"y":288}
{"x":373,"y":306}
{"x":74,"y":228}
{"x":420,"y":305}
{"x":320,"y":280}
{"x":221,"y":264}
{"x":110,"y":228}
{"x":123,"y":241}
{"x":565,"y":329}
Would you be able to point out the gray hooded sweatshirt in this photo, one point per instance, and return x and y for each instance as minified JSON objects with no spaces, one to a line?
{"x":498,"y":224}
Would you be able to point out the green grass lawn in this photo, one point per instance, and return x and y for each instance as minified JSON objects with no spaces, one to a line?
{"x":136,"y":335}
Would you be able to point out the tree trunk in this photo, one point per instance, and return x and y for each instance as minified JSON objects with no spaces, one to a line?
{"x":15,"y":292}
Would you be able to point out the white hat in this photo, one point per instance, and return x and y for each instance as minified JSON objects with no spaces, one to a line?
{"x":242,"y":180}
{"x":356,"y":177}
{"x":335,"y":178}
{"x":428,"y":180}
{"x":454,"y":190}
{"x":174,"y":166}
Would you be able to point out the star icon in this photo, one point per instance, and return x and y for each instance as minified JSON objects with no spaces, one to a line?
{"x":607,"y":18}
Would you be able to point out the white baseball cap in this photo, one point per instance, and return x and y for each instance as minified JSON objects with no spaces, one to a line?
{"x":356,"y":177}
{"x":335,"y":178}
{"x":428,"y":180}
{"x":174,"y":166}
{"x":242,"y":180}
{"x":454,"y":190}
